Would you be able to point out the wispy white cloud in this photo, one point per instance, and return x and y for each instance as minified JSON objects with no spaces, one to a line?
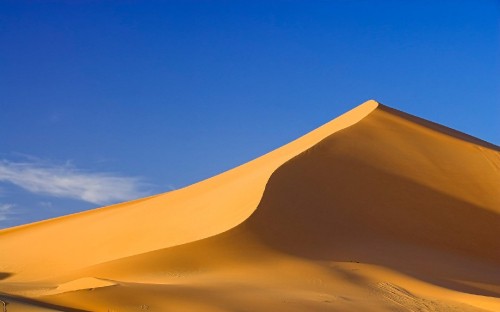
{"x":5,"y":211}
{"x":69,"y":182}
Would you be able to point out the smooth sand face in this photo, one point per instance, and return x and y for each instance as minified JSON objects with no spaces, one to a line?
{"x":375,"y":211}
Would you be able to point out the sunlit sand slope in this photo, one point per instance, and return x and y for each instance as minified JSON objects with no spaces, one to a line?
{"x":201,"y":210}
{"x":375,"y":211}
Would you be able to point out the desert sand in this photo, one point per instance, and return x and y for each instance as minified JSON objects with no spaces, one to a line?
{"x":377,"y":210}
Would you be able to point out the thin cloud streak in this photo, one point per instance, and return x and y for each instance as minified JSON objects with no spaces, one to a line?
{"x":5,"y":210}
{"x":68,"y":182}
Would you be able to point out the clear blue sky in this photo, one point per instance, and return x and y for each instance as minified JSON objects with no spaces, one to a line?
{"x":102,"y":101}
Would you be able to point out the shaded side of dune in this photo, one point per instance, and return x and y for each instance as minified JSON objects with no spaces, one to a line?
{"x":18,"y":303}
{"x":388,"y":191}
{"x":385,"y":179}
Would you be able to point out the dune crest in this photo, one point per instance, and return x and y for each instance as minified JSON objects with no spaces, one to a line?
{"x":201,"y":210}
{"x":375,"y":210}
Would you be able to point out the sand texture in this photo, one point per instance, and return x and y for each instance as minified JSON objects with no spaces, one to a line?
{"x":376,"y":210}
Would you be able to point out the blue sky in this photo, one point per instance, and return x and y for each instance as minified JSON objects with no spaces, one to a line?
{"x":104,"y":101}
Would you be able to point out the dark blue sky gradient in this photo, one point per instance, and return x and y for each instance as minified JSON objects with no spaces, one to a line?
{"x":177,"y":91}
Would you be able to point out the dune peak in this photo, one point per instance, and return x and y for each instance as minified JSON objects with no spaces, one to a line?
{"x":375,"y":210}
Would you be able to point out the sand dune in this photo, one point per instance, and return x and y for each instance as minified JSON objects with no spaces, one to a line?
{"x":377,"y":210}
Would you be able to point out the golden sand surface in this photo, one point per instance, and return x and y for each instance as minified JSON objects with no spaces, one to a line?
{"x":377,"y":210}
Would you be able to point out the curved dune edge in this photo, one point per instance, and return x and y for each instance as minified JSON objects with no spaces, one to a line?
{"x":381,"y":215}
{"x":201,"y":210}
{"x":420,"y":266}
{"x":90,"y":283}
